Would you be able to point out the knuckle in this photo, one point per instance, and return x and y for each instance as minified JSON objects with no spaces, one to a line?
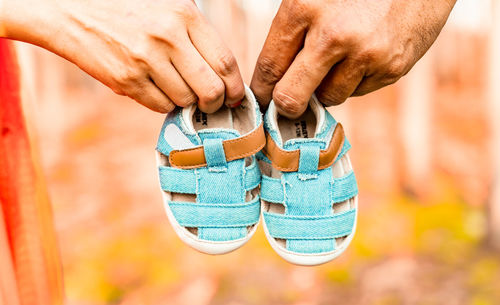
{"x":331,"y":42}
{"x":369,"y":56}
{"x":287,"y":103}
{"x":337,"y":35}
{"x":140,"y":51}
{"x":268,"y":70}
{"x":329,"y":38}
{"x":394,"y":71}
{"x":167,"y":34}
{"x":376,"y":54}
{"x":127,"y":77}
{"x":227,"y":63}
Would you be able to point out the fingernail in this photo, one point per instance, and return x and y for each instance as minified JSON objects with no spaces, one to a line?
{"x":235,"y":104}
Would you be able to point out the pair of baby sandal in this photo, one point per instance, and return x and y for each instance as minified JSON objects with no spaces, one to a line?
{"x":210,"y":170}
{"x":209,"y":174}
{"x":308,"y":188}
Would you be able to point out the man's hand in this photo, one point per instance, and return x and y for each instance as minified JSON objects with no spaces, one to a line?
{"x":161,"y":53}
{"x":342,"y":48}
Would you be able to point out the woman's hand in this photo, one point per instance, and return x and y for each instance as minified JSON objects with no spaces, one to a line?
{"x":161,"y":53}
{"x":340,"y":48}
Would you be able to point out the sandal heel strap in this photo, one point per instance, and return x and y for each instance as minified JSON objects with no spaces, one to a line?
{"x":234,"y":149}
{"x":288,"y":161}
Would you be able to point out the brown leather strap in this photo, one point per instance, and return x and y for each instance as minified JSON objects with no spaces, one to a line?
{"x":288,"y":161}
{"x":238,"y":148}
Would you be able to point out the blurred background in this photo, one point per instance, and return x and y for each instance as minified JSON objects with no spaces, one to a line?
{"x":426,"y":152}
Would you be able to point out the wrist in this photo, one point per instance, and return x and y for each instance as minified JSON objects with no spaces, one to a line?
{"x":27,"y":20}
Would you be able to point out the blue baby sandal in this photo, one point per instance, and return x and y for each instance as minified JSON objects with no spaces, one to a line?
{"x":308,"y":189}
{"x":209,"y":174}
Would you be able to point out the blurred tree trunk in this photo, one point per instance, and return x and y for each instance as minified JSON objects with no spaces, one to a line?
{"x":494,"y":97}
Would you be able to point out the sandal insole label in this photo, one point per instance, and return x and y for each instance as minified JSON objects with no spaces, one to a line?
{"x":301,"y":129}
{"x":201,"y":117}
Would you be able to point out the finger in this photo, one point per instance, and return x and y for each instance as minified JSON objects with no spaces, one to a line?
{"x":149,"y":95}
{"x":166,"y":77}
{"x":383,"y":75}
{"x":340,"y":83}
{"x":292,"y":93}
{"x":285,"y":39}
{"x":208,"y":43}
{"x":199,"y":76}
{"x":370,"y":84}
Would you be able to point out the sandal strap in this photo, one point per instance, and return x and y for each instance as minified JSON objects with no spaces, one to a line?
{"x":191,"y":214}
{"x":184,"y":180}
{"x":234,"y":149}
{"x":310,"y":227}
{"x":177,"y":180}
{"x":288,"y":161}
{"x":343,"y":188}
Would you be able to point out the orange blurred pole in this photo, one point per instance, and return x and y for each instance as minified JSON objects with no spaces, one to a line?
{"x":31,"y":251}
{"x":8,"y":287}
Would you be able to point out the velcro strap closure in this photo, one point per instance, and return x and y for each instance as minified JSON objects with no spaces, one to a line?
{"x":288,"y":161}
{"x":342,"y":189}
{"x":191,"y":214}
{"x":214,"y":153}
{"x":234,"y":149}
{"x":177,"y":180}
{"x":310,"y":227}
{"x":271,"y":190}
{"x":183,"y":181}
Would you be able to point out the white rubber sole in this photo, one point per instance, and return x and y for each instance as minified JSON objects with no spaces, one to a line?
{"x":311,"y":259}
{"x":204,"y":246}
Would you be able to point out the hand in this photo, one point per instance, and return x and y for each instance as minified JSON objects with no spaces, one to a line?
{"x":342,"y":48}
{"x":161,"y":53}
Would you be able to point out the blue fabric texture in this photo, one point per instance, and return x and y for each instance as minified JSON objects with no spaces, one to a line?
{"x":221,"y":212}
{"x":343,"y":188}
{"x":309,"y":159}
{"x":177,"y":180}
{"x":310,"y":227}
{"x":190,"y":214}
{"x":310,"y":224}
{"x":214,"y":154}
{"x":220,"y":184}
{"x":252,"y":175}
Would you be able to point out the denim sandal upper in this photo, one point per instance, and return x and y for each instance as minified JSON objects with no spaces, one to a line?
{"x":217,"y":166}
{"x":310,"y":194}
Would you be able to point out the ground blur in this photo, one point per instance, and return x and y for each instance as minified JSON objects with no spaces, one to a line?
{"x":423,"y":228}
